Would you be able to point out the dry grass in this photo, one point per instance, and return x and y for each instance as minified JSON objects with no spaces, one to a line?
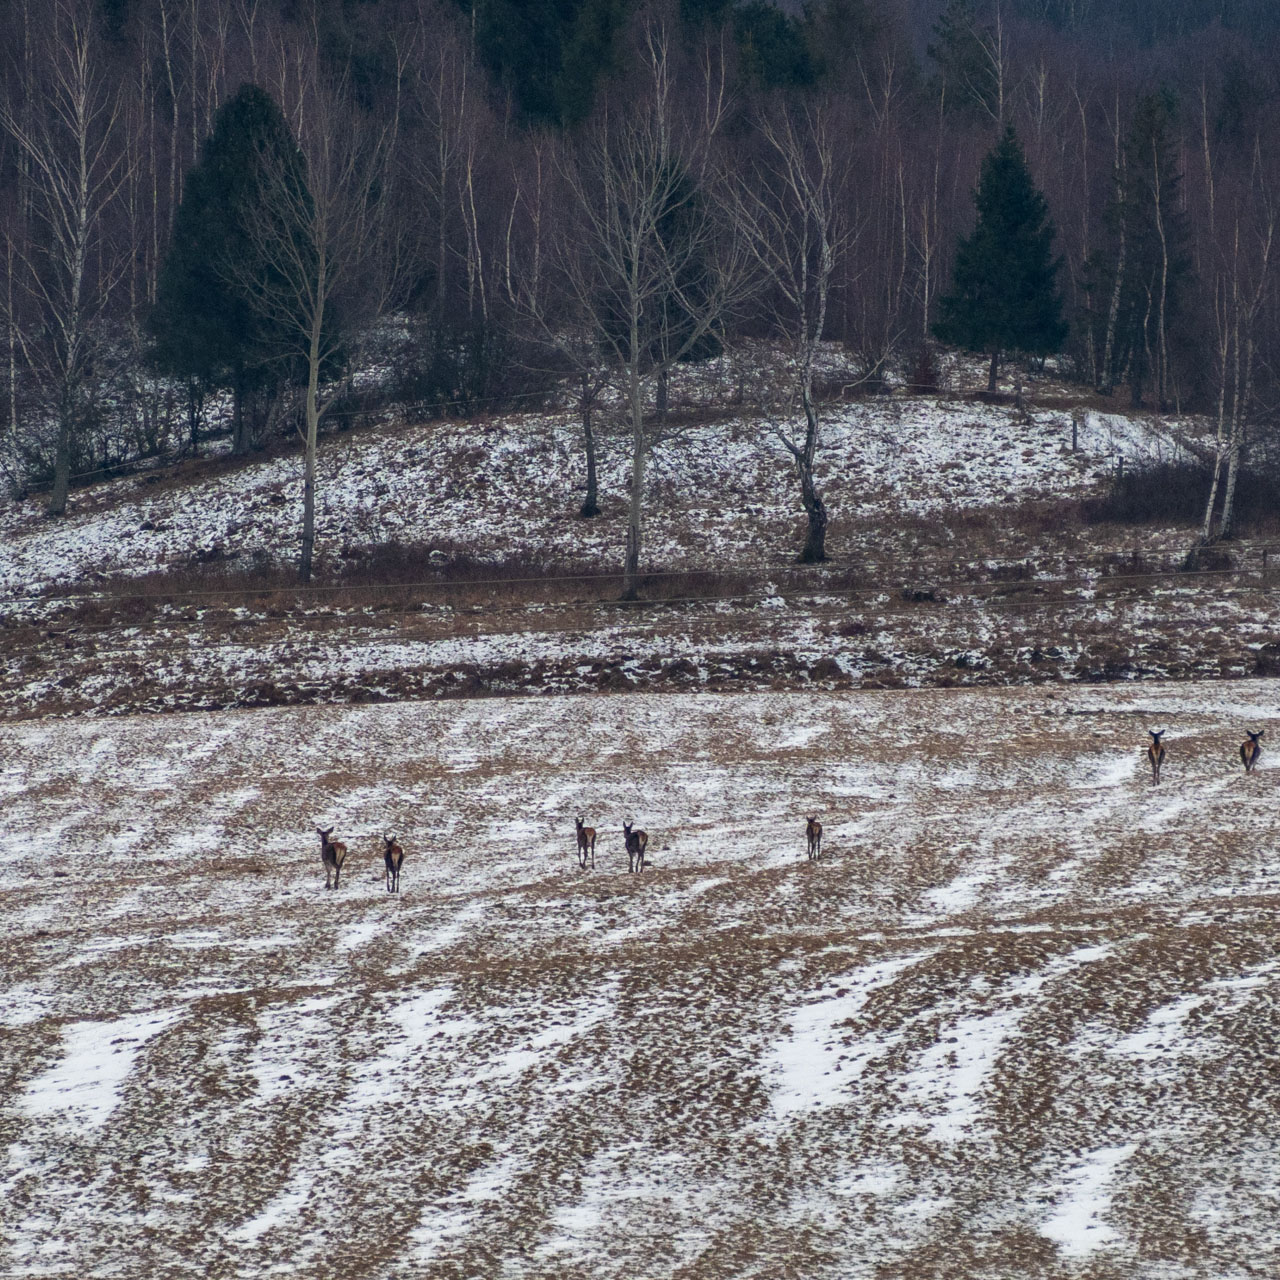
{"x":516,"y":1069}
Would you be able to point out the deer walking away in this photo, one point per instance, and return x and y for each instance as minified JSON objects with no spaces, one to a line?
{"x":637,"y":843}
{"x":1250,"y":750}
{"x":393,"y":857}
{"x":1155,"y":753}
{"x":586,"y":843}
{"x":813,"y":837}
{"x":333,"y":853}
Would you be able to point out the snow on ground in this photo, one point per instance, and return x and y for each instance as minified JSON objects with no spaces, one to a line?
{"x":511,"y":486}
{"x":1020,"y":1020}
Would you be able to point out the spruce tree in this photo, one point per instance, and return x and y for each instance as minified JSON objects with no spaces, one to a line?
{"x":1004,"y":295}
{"x":204,"y":326}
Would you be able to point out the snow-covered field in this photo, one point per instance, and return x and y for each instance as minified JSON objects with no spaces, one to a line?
{"x":1020,"y":1021}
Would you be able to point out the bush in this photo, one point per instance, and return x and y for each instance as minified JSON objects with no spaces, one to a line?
{"x":1175,"y":493}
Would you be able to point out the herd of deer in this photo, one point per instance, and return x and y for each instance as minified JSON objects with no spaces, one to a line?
{"x":638,"y":841}
{"x":333,"y":857}
{"x":333,"y":853}
{"x":1250,"y":750}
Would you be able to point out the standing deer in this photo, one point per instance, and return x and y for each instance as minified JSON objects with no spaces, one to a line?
{"x":333,"y":853}
{"x":1251,"y":750}
{"x":393,"y":856}
{"x":586,"y":844}
{"x":1155,"y":753}
{"x":637,"y":843}
{"x":813,"y":836}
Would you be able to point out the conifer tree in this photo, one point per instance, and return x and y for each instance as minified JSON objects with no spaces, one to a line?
{"x":205,"y":327}
{"x":1004,"y":295}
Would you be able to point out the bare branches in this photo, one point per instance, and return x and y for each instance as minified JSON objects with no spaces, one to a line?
{"x":326,"y":256}
{"x":791,"y":209}
{"x":646,"y":262}
{"x":68,"y":135}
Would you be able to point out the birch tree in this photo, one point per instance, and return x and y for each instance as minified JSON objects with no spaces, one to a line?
{"x":645,"y":258}
{"x":790,"y":208}
{"x":66,"y":130}
{"x":1242,"y":280}
{"x":325,"y":262}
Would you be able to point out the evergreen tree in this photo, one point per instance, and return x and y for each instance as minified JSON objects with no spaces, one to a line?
{"x":204,"y":325}
{"x":772,"y":46}
{"x":550,"y":54}
{"x":1004,"y":295}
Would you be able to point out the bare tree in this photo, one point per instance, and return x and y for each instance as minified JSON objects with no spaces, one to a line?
{"x":647,"y":259}
{"x":567,"y":334}
{"x":790,"y":208}
{"x":1242,"y":279}
{"x":66,"y":132}
{"x":446,"y":93}
{"x":326,"y":262}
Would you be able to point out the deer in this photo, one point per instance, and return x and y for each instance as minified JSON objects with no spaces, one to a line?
{"x":393,"y":856}
{"x":586,"y":844}
{"x":1251,"y":750}
{"x":333,"y":853}
{"x":637,"y":843}
{"x":813,"y":836}
{"x":1155,"y":753}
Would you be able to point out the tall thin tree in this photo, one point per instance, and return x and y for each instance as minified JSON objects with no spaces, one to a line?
{"x":791,"y":208}
{"x":66,"y":126}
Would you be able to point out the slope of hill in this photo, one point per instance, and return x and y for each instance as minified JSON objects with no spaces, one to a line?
{"x":455,"y":564}
{"x":1019,"y":1020}
{"x":508,"y":488}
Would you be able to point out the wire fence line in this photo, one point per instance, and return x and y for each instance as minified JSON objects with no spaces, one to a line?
{"x":156,"y":637}
{"x":915,"y":572}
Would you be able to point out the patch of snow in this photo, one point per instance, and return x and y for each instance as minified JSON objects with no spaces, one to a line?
{"x":1078,"y":1226}
{"x":82,"y":1089}
{"x":815,"y":1063}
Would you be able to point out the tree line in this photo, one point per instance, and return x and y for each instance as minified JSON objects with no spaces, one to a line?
{"x":254,"y":197}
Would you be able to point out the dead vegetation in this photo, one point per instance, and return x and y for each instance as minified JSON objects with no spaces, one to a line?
{"x":1017,"y":1021}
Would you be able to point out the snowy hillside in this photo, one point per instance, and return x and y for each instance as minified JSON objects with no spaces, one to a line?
{"x":1019,"y":1021}
{"x":506,"y":488}
{"x":958,"y":556}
